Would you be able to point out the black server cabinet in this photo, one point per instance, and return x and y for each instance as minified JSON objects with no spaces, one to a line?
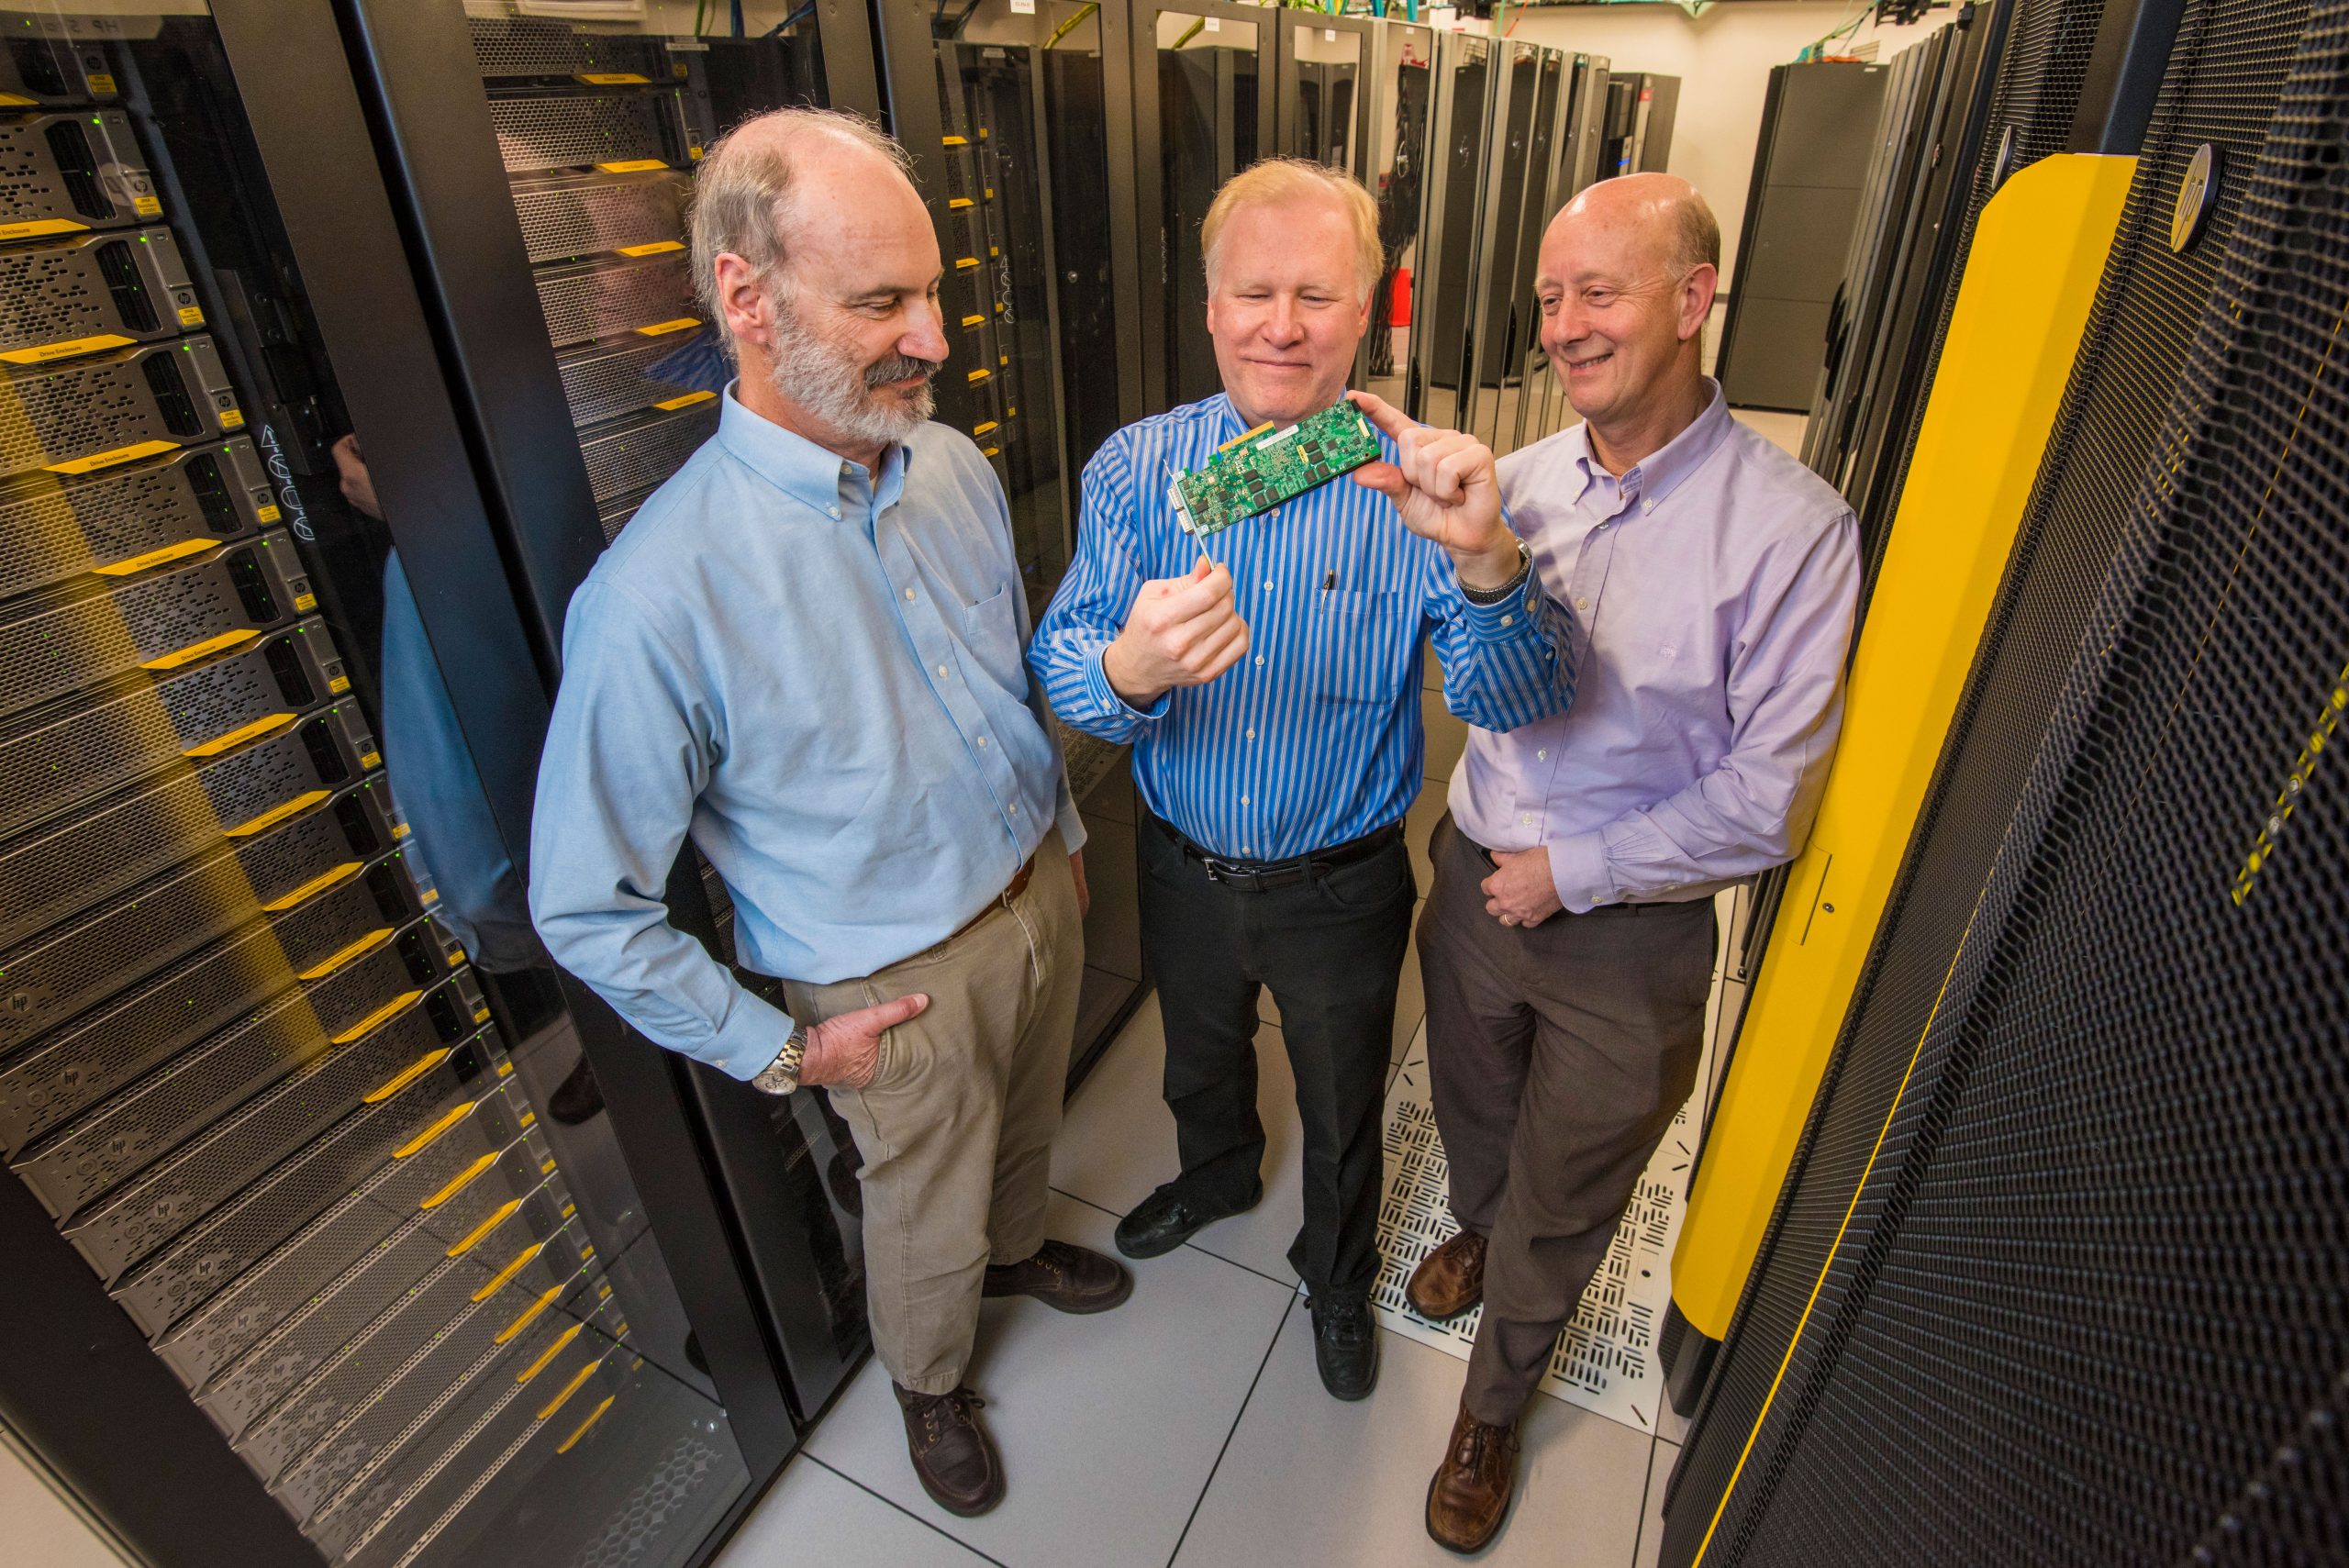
{"x":1396,"y":149}
{"x":1002,"y":109}
{"x":1818,"y":124}
{"x":1323,"y":100}
{"x":1461,"y":119}
{"x":326,"y":1243}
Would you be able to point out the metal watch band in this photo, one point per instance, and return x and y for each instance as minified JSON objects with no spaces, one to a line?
{"x":781,"y":1076}
{"x":1507,"y":589}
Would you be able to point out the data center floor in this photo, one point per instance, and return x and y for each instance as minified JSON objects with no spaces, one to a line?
{"x":1189,"y":1428}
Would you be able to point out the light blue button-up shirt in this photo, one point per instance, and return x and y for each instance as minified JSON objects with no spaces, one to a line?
{"x":818,"y":676}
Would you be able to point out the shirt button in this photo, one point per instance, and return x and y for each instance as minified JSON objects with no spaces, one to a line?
{"x":834,"y":510}
{"x":909,"y":594}
{"x":983,"y":742}
{"x":1582,"y":604}
{"x":1243,"y":800}
{"x":1647,"y":506}
{"x":1246,"y":849}
{"x":1252,"y":735}
{"x":1015,"y":807}
{"x":1528,"y":818}
{"x":942,"y":672}
{"x":1509,"y":620}
{"x":1542,"y":755}
{"x":1260,"y":659}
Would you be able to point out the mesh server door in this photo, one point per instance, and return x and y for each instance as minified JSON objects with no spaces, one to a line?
{"x":322,"y":1244}
{"x":1397,"y":148}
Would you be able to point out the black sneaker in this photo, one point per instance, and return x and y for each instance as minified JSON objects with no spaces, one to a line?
{"x":1164,"y":1220}
{"x":1346,"y":1345}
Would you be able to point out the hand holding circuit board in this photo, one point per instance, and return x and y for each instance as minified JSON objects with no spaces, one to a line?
{"x":1442,"y":482}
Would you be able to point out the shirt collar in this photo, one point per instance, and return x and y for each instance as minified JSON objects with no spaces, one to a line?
{"x":1660,"y":473}
{"x":808,"y":473}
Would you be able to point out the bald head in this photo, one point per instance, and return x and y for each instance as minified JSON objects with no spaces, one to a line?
{"x":1662,"y":212}
{"x":1626,"y":281}
{"x":754,"y":193}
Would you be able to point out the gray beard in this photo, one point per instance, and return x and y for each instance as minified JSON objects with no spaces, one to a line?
{"x":844,"y":394}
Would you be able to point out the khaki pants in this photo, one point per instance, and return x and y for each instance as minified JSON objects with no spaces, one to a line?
{"x":956,"y":1128}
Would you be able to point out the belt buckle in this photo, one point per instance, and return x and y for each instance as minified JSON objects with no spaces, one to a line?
{"x":1223,"y":872}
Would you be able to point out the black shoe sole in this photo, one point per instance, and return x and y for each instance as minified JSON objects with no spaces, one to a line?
{"x":1159,"y":1248}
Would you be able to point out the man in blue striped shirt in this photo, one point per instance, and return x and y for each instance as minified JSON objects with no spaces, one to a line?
{"x":1268,"y":678}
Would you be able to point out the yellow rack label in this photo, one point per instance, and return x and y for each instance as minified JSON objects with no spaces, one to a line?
{"x":956,"y":204}
{"x":592,"y":1416}
{"x":96,"y":460}
{"x":652,"y":248}
{"x":190,"y":316}
{"x":345,"y":953}
{"x":304,"y":603}
{"x":404,"y":1077}
{"x":102,"y":82}
{"x":370,"y":759}
{"x":498,"y":1217}
{"x":154,"y":558}
{"x":577,"y":1378}
{"x":528,"y":1312}
{"x":982,"y":430}
{"x":958,"y":141}
{"x":232,"y":418}
{"x":401,"y":829}
{"x":268,"y":513}
{"x":239,"y":736}
{"x":448,"y":1120}
{"x":196,"y":650}
{"x":146,"y":207}
{"x":276,"y":814}
{"x":612,"y":79}
{"x":520,"y":1260}
{"x":670,"y":404}
{"x":313,"y":887}
{"x":549,"y":1354}
{"x":66,"y":350}
{"x":16,"y":101}
{"x":397,"y":1004}
{"x":990,"y":452}
{"x":661,"y":328}
{"x":975,"y":321}
{"x":33,"y":227}
{"x":631,"y":165}
{"x":978,"y":375}
{"x":458,"y":1183}
{"x":965,"y":263}
{"x":338,"y":686}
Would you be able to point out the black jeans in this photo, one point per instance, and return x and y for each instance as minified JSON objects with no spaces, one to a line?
{"x":1332,"y":949}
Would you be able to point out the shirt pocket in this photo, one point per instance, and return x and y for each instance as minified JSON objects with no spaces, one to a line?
{"x":1363,"y":644}
{"x":991,"y":640}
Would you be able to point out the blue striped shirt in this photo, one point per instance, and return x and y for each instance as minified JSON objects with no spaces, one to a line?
{"x":1314,"y":738}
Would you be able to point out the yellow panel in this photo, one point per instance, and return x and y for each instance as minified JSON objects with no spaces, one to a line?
{"x":652,"y":248}
{"x":661,"y":329}
{"x":552,"y":1351}
{"x":276,"y":814}
{"x":613,"y":79}
{"x":2038,"y":253}
{"x":344,"y":954}
{"x":473,"y":1237}
{"x":592,"y":1416}
{"x":684,"y":400}
{"x":458,"y":1183}
{"x":190,"y":316}
{"x":449,"y":1118}
{"x":196,"y":650}
{"x":34,"y":228}
{"x":239,"y":736}
{"x":514,"y":1265}
{"x":311,"y":888}
{"x":96,"y":460}
{"x":631,"y":165}
{"x":380,"y":1015}
{"x":158,"y":556}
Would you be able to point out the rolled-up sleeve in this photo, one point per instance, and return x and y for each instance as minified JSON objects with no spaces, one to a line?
{"x":628,"y":754}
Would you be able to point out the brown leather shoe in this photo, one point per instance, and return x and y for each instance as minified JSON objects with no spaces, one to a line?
{"x":1450,"y":1280}
{"x":952,"y":1455}
{"x":1469,"y":1496}
{"x":1066,"y":1277}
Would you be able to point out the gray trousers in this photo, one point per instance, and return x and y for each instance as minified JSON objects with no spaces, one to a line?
{"x":1558,"y":1057}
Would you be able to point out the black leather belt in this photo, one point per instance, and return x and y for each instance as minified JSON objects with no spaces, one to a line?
{"x":1264,"y":876}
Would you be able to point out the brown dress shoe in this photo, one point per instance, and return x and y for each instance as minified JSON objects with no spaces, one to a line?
{"x":952,"y":1455}
{"x":1450,"y":1280}
{"x":1064,"y":1277}
{"x":1469,"y":1496}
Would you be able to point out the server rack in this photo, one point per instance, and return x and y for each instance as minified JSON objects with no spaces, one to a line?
{"x":307,"y":1191}
{"x":1460,"y":117}
{"x":1323,"y":100}
{"x":1002,"y":110}
{"x":1640,"y":108}
{"x":1396,"y":151}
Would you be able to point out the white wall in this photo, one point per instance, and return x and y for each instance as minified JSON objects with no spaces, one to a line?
{"x":1723,"y":60}
{"x":38,"y":1527}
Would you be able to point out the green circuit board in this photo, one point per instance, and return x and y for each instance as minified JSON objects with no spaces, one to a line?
{"x":1259,"y":470}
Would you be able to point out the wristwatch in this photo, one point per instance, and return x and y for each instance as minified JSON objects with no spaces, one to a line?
{"x":1507,"y":589}
{"x":781,"y":1076}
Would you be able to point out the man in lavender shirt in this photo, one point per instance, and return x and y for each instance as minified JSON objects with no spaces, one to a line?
{"x":1567,"y":943}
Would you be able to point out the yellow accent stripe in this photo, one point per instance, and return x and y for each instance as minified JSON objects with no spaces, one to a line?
{"x":39,"y":225}
{"x":687,"y":401}
{"x":975,"y":320}
{"x":653,"y":247}
{"x":962,"y":263}
{"x":397,"y":1004}
{"x":549,"y":1354}
{"x":978,"y":375}
{"x":448,"y":1119}
{"x":958,"y":141}
{"x":108,"y":459}
{"x":458,"y":1183}
{"x":516,"y":1326}
{"x":631,"y":165}
{"x":983,"y":427}
{"x":157,"y":557}
{"x":239,"y":736}
{"x":473,"y":1237}
{"x":49,"y":351}
{"x":277,"y":814}
{"x":196,"y":650}
{"x":559,"y":1400}
{"x":403,"y":1078}
{"x":344,"y":954}
{"x":663,"y":328}
{"x":611,"y":78}
{"x":520,"y":1261}
{"x":312,"y":888}
{"x":953,"y":203}
{"x":581,"y":1430}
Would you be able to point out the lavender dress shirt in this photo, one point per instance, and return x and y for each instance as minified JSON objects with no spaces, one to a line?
{"x":1713,"y":587}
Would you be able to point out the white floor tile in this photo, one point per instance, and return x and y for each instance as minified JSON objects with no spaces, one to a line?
{"x":1309,"y":1481}
{"x":1109,"y":1426}
{"x":812,"y":1518}
{"x":1447,"y":735}
{"x":1660,"y":1463}
{"x":1117,"y":1138}
{"x":1670,"y":1424}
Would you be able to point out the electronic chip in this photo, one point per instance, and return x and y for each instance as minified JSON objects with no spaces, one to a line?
{"x":1265,"y":468}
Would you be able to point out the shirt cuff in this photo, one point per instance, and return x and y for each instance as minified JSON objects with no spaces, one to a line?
{"x":1578,"y":868}
{"x":1509,"y":619}
{"x":1071,"y":826}
{"x":750,"y":1040}
{"x":1106,"y":699}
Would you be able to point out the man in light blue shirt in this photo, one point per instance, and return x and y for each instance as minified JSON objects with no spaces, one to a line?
{"x":803,"y":652}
